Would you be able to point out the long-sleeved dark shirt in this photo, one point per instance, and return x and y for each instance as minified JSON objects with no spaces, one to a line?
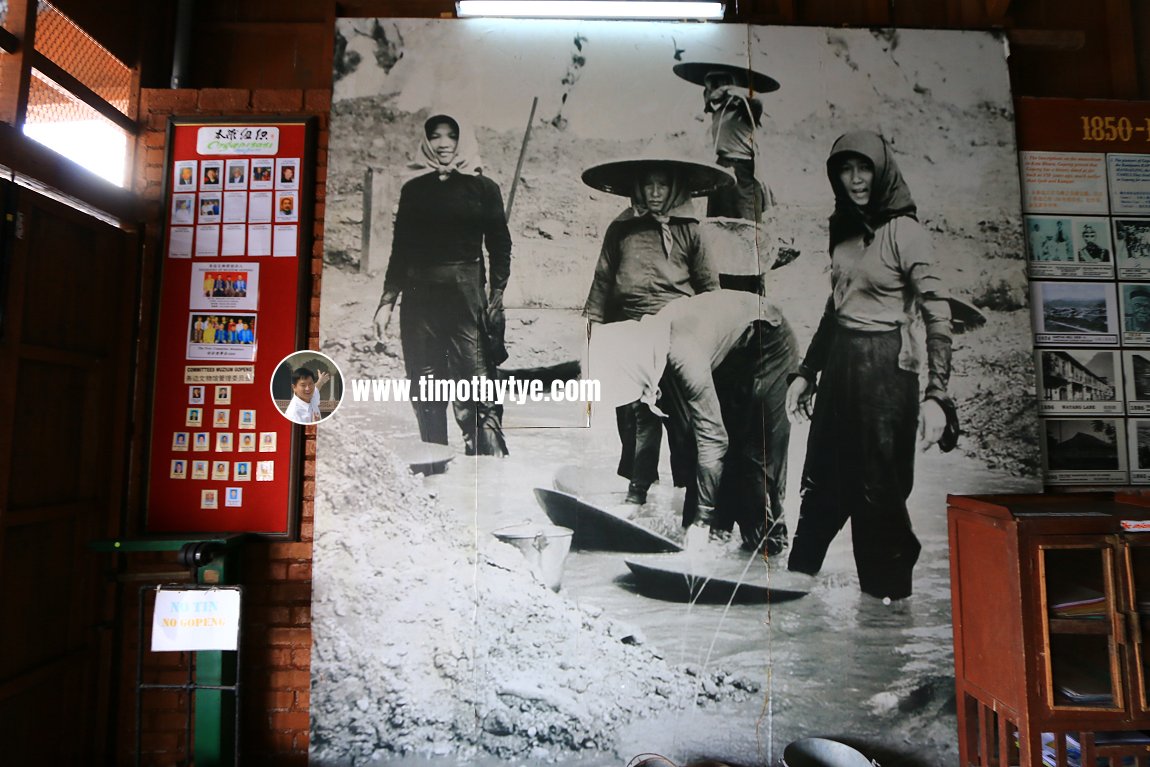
{"x":448,"y":221}
{"x":636,"y":276}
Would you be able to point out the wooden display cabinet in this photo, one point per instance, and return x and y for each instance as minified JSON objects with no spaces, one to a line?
{"x":1051,"y":612}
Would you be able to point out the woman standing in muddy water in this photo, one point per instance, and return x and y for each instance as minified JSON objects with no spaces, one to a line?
{"x":866,"y":354}
{"x":445,"y":220}
{"x":651,"y":255}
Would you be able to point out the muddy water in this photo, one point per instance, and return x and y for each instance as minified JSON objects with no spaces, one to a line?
{"x":834,"y":663}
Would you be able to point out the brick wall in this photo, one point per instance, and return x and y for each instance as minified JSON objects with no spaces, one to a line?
{"x":276,"y":576}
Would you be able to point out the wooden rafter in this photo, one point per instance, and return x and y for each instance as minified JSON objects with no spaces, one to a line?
{"x":996,"y":9}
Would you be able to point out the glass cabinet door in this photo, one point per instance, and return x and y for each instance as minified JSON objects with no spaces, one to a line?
{"x":1084,"y":624}
{"x":1136,"y":608}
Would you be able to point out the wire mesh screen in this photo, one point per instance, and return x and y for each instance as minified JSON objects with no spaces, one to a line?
{"x":61,"y":121}
{"x":70,"y":48}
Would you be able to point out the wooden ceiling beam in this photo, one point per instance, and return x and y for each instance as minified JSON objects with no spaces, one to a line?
{"x":1120,"y":45}
{"x":996,"y":9}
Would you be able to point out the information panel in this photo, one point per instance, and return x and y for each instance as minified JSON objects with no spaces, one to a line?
{"x":1086,"y":195}
{"x":233,"y":289}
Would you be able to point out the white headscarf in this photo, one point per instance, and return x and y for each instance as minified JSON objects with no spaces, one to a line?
{"x":466,"y":157}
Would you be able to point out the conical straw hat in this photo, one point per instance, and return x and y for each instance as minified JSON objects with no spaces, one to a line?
{"x":619,"y":176}
{"x":744,"y":77}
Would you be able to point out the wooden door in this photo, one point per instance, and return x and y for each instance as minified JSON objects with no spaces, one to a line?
{"x":68,"y":283}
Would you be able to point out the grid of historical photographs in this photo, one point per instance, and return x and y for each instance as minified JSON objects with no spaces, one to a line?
{"x":220,"y":445}
{"x":224,"y":214}
{"x":235,"y":207}
{"x":1088,"y":245}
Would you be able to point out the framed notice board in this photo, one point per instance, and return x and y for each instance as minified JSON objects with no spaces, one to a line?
{"x":233,"y":304}
{"x":1086,"y":198}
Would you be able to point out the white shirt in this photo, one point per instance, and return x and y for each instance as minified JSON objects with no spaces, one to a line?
{"x":303,"y":412}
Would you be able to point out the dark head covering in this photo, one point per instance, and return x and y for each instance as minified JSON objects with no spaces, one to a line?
{"x":889,"y":195}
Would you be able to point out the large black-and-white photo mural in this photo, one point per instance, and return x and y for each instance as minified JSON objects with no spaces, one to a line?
{"x":664,"y":344}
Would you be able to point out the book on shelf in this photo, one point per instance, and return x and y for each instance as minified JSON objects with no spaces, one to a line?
{"x":1078,"y":602}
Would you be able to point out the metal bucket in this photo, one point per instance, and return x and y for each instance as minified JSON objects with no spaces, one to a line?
{"x":544,"y":546}
{"x":820,"y":752}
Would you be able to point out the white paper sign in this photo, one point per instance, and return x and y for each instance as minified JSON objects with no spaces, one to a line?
{"x":196,"y":620}
{"x":238,"y":139}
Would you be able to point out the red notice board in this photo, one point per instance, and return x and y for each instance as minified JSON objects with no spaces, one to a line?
{"x":237,"y":237}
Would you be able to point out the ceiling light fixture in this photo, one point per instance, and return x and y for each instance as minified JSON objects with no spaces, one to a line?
{"x":592,"y":9}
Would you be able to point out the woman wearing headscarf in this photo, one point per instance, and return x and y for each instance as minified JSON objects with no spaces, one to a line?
{"x":446,"y":217}
{"x":651,"y":255}
{"x":866,"y":355}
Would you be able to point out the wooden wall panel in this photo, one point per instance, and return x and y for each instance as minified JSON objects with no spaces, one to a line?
{"x":1061,"y":47}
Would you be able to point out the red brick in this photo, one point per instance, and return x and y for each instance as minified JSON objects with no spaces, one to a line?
{"x":301,"y":614}
{"x":321,"y":174}
{"x":288,"y":637}
{"x":317,"y":100}
{"x":291,"y":593}
{"x":157,"y":121}
{"x":279,"y":616}
{"x":289,"y":720}
{"x":280,"y":658}
{"x":279,"y":700}
{"x":167,"y":100}
{"x":276,"y":571}
{"x":281,"y":742}
{"x":301,"y":658}
{"x":269,"y":100}
{"x":303,"y":699}
{"x":225,"y":99}
{"x":288,"y":680}
{"x":154,"y":156}
{"x":154,"y":138}
{"x":300,"y":571}
{"x":291,"y":551}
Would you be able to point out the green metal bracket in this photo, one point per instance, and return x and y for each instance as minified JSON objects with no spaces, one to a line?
{"x":215,"y":561}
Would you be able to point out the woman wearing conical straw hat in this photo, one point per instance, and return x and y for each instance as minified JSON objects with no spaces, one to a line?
{"x":651,"y":255}
{"x":729,"y":96}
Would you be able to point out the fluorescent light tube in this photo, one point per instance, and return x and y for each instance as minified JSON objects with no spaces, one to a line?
{"x":591,"y":9}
